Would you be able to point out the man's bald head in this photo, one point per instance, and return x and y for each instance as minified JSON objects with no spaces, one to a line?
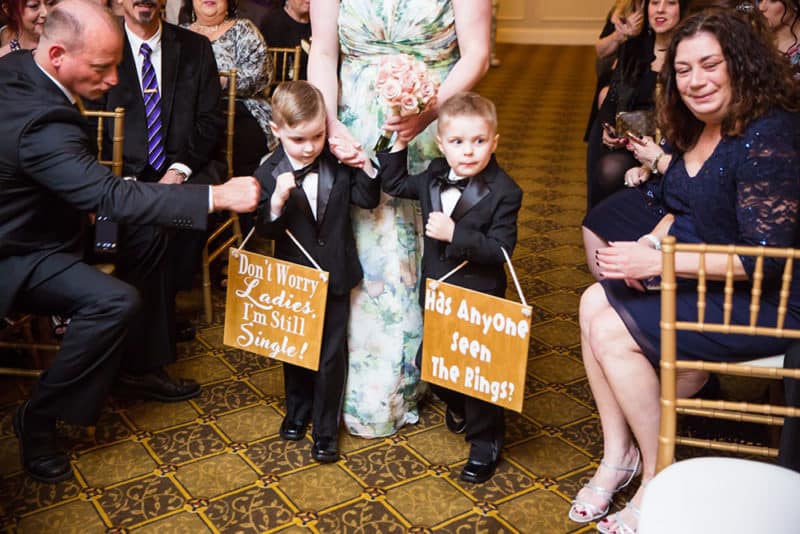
{"x":81,"y":46}
{"x":74,"y":23}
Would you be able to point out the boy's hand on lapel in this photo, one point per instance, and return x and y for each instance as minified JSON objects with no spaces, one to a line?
{"x":283,"y":188}
{"x":440,"y":227}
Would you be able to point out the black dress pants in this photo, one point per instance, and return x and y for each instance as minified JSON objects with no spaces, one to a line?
{"x":113,"y":319}
{"x":319,"y":395}
{"x":485,"y":423}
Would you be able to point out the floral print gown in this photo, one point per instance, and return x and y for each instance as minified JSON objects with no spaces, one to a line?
{"x":386,"y":320}
{"x":243,"y":48}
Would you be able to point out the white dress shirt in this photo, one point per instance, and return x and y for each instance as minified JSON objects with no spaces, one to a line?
{"x":451,"y":195}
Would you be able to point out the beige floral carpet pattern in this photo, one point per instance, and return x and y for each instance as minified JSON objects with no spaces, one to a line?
{"x":217,"y":464}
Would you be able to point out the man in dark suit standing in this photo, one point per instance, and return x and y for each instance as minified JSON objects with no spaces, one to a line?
{"x":49,"y":180}
{"x":169,"y":87}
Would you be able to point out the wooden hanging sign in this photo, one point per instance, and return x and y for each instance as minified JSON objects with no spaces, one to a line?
{"x":275,"y":308}
{"x":475,"y":344}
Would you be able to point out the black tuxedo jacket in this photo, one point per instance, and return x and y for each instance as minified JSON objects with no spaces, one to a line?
{"x":485,"y":219}
{"x":192,"y":121}
{"x":328,"y":238}
{"x":49,"y":179}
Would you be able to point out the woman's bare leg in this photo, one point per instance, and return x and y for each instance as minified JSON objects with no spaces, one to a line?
{"x":618,"y":446}
{"x":592,"y":242}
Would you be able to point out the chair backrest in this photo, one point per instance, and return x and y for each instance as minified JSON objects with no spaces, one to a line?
{"x":735,"y":411}
{"x":285,"y":65}
{"x":230,"y":115}
{"x":118,"y":136}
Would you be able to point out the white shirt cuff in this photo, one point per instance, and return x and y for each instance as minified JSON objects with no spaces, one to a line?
{"x":210,"y":200}
{"x":180,"y":167}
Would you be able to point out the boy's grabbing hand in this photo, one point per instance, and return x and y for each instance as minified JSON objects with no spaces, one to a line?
{"x":440,"y":227}
{"x":283,"y":188}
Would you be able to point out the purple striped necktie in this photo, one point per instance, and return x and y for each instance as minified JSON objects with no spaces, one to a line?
{"x":152,"y":110}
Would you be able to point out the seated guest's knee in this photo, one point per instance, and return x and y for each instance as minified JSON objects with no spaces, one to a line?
{"x":592,"y":301}
{"x":122,"y":302}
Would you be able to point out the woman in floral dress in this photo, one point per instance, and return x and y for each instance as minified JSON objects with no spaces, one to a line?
{"x":386,"y":321}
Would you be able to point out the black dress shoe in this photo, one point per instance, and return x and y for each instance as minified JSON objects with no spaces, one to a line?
{"x":293,"y":430}
{"x":184,"y":331}
{"x":156,"y":385}
{"x":477,"y":472}
{"x":454,"y":422}
{"x":325,"y":450}
{"x":39,"y":453}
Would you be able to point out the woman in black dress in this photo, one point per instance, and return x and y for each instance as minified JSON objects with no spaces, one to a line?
{"x":729,"y":108}
{"x":632,"y":87}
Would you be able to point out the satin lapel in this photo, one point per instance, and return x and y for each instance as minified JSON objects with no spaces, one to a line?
{"x":283,"y":166}
{"x":475,"y":191}
{"x":327,"y":172}
{"x":170,"y":56}
{"x":435,"y":190}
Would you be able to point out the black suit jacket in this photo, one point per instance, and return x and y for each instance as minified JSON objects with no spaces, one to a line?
{"x":191,"y":117}
{"x":49,"y":179}
{"x":328,"y":238}
{"x":485,"y":219}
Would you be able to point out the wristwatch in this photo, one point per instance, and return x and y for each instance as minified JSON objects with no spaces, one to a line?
{"x":654,"y":166}
{"x":653,"y":239}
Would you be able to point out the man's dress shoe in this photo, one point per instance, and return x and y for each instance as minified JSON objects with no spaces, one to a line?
{"x":477,"y":472}
{"x":157,"y":385}
{"x":454,"y":422}
{"x":293,"y":430}
{"x":325,"y":450}
{"x":39,"y":453}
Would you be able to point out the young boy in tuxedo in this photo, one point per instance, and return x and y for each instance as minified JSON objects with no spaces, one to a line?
{"x":307,"y":191}
{"x":469,"y":206}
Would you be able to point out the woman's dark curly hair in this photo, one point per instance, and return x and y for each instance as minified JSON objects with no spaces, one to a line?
{"x":186,"y":13}
{"x":761,"y":79}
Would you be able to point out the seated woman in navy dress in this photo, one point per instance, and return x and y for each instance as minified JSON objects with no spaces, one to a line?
{"x":729,"y":110}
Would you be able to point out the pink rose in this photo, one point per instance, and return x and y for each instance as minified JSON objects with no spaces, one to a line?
{"x":399,"y":64}
{"x":409,"y":82}
{"x":391,"y":91}
{"x":427,"y":92}
{"x":409,"y":105}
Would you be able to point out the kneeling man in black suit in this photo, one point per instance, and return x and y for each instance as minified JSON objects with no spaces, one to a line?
{"x":49,"y":180}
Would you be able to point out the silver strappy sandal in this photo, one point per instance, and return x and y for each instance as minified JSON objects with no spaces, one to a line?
{"x":621,"y":527}
{"x":584,"y":511}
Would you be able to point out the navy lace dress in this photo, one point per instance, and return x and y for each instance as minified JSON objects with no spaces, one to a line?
{"x":747,"y":192}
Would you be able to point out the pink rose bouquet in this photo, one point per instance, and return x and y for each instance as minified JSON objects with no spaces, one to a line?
{"x":405,"y":87}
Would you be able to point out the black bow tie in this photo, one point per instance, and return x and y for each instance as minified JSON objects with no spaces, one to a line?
{"x":300,"y":174}
{"x":445,"y":182}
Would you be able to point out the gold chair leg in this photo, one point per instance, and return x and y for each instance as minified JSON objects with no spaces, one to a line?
{"x":207,"y":290}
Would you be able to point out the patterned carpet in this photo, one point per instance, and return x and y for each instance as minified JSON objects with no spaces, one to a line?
{"x":217,"y":464}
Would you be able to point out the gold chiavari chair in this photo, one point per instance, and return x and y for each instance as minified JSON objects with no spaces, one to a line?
{"x":22,"y":332}
{"x":210,"y":252}
{"x":771,"y":367}
{"x":285,"y":65}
